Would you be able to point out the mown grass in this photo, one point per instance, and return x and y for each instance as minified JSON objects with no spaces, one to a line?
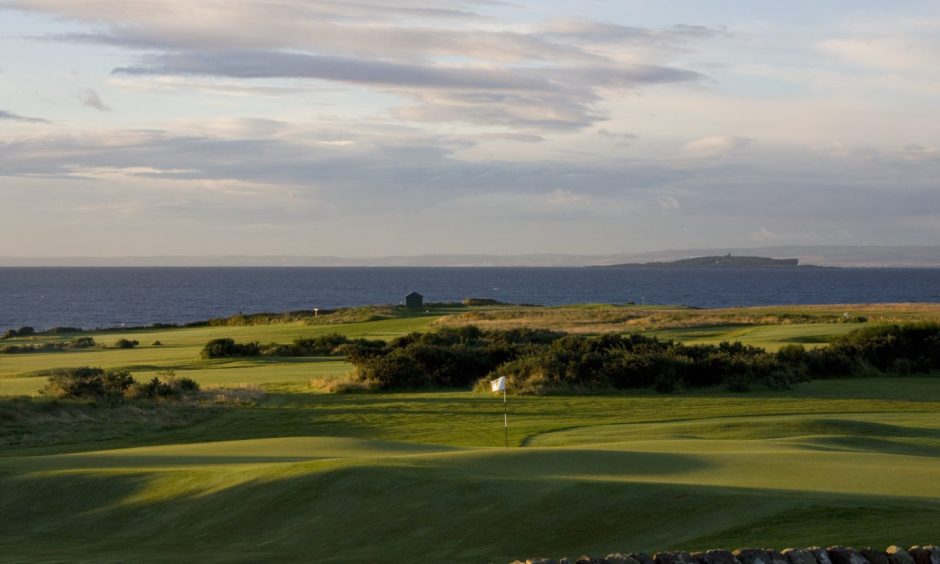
{"x":294,"y":479}
{"x":301,"y":475}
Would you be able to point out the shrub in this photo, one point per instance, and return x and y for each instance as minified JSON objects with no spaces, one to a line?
{"x":226,"y":348}
{"x":323,"y":345}
{"x":96,"y":383}
{"x":156,"y":344}
{"x":116,"y":382}
{"x":163,"y":386}
{"x":540,"y":362}
{"x":82,"y":382}
{"x":397,"y":370}
{"x":87,"y":383}
{"x":79,"y":343}
{"x":126,"y":344}
{"x":82,"y":343}
{"x":61,"y":330}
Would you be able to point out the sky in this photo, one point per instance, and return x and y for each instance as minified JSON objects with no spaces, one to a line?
{"x":403,"y":127}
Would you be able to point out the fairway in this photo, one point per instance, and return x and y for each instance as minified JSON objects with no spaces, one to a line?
{"x":388,"y":476}
{"x":644,"y":472}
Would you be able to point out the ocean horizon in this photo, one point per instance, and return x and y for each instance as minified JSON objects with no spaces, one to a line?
{"x":102,"y":297}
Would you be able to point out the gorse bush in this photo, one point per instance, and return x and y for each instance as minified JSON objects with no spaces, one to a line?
{"x":226,"y":348}
{"x":55,"y":346}
{"x":87,"y":382}
{"x":538,"y":362}
{"x":97,"y":384}
{"x":323,"y":345}
{"x":914,"y":347}
{"x":638,"y":362}
{"x":451,"y":357}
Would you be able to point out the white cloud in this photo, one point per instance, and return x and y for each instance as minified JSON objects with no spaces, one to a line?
{"x":715,"y":146}
{"x":668,"y":203}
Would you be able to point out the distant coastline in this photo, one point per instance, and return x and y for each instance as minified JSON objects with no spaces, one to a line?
{"x":726,"y":261}
{"x":924,"y":256}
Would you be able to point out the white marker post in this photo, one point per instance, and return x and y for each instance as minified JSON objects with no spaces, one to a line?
{"x":499,"y":385}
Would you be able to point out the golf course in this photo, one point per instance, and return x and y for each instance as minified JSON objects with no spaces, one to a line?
{"x":267,"y":465}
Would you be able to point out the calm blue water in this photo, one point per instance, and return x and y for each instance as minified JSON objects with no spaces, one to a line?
{"x":109,"y":297}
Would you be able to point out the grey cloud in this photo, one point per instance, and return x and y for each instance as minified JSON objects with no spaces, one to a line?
{"x":403,"y":171}
{"x":529,"y":110}
{"x":9,"y":116}
{"x":552,"y":97}
{"x":324,"y":37}
{"x":549,"y":77}
{"x":599,"y":32}
{"x":273,"y":64}
{"x":517,"y":137}
{"x":611,"y":135}
{"x":121,"y":10}
{"x":91,"y":99}
{"x":421,"y":167}
{"x":251,"y":64}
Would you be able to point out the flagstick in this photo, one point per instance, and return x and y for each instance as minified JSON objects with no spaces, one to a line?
{"x":506,"y":417}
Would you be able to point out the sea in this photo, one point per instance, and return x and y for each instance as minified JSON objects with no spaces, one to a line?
{"x":129,"y":297}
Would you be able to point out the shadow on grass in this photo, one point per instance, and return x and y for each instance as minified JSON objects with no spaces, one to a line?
{"x":432,"y":511}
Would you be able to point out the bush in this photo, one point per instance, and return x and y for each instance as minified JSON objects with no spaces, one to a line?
{"x":82,"y":382}
{"x":126,"y":344}
{"x":61,"y":330}
{"x":170,"y":387}
{"x":227,"y":348}
{"x":324,"y":345}
{"x":96,"y":383}
{"x":116,"y":382}
{"x":538,"y":362}
{"x":79,"y":343}
{"x":87,"y":383}
{"x":156,"y":344}
{"x":82,"y":343}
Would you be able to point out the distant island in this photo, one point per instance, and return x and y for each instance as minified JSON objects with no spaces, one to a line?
{"x":726,"y":261}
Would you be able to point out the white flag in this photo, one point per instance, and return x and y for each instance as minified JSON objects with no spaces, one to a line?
{"x":498,"y":385}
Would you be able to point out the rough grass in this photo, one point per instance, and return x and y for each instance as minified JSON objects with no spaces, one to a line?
{"x":632,"y":318}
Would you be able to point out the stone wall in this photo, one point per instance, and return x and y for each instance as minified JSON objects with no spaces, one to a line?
{"x":929,"y":554}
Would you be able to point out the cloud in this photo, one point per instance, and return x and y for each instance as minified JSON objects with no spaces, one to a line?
{"x":906,"y":54}
{"x":566,"y":198}
{"x":622,"y":139}
{"x":599,"y":32}
{"x":508,"y":136}
{"x":715,"y":146}
{"x":540,"y":97}
{"x":668,"y":203}
{"x":236,"y":173}
{"x":9,"y":116}
{"x":449,"y":61}
{"x":915,"y":152}
{"x":91,"y":99}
